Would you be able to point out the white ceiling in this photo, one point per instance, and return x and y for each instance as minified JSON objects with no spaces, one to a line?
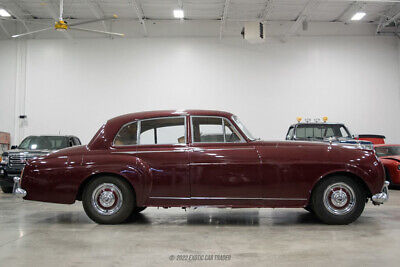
{"x":221,"y":11}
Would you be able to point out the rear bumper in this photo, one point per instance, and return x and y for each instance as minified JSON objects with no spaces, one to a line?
{"x":383,"y":196}
{"x":18,"y":191}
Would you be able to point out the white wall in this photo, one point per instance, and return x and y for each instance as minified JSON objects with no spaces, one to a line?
{"x":72,"y":88}
{"x":8,"y":55}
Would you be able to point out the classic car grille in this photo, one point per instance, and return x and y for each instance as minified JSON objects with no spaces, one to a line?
{"x":19,"y":160}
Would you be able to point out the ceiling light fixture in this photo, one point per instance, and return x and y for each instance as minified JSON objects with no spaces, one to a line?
{"x":178,"y":13}
{"x":4,"y":13}
{"x":358,"y":16}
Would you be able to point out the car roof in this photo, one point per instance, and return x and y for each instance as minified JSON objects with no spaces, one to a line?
{"x":317,"y":123}
{"x":51,"y":136}
{"x":168,"y":113}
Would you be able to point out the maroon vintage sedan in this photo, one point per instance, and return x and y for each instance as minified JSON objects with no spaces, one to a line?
{"x":202,"y":158}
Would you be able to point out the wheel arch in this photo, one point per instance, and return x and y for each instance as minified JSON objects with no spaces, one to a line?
{"x":351,"y":175}
{"x":100,"y":174}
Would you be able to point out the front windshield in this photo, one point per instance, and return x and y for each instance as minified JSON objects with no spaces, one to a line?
{"x":383,"y":151}
{"x":243,"y":128}
{"x":321,"y":131}
{"x":44,"y":142}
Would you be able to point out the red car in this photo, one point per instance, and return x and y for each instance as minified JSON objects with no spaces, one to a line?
{"x":202,"y":158}
{"x":390,"y":157}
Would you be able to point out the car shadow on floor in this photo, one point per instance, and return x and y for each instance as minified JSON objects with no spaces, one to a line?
{"x":236,"y":218}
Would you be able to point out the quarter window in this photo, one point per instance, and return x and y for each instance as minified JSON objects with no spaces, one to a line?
{"x":162,"y":131}
{"x":127,"y":136}
{"x":213,"y":130}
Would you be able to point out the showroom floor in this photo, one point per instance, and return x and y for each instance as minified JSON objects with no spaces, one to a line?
{"x":40,"y":234}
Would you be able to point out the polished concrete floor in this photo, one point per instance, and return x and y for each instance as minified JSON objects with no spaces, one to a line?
{"x":40,"y":234}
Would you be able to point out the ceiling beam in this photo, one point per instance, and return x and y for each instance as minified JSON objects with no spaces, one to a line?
{"x":350,"y":11}
{"x":386,"y":21}
{"x":223,"y":18}
{"x":16,"y":11}
{"x":140,"y":15}
{"x":98,"y":12}
{"x":4,"y":29}
{"x":267,"y":10}
{"x":311,"y":4}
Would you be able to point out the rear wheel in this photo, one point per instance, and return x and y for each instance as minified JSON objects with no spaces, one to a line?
{"x":6,"y":189}
{"x":338,"y":200}
{"x":108,"y":200}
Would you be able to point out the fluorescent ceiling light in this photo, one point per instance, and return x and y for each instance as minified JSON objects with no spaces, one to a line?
{"x":178,"y":13}
{"x":4,"y":13}
{"x":358,"y":16}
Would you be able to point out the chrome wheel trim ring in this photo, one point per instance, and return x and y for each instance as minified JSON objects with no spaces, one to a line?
{"x":339,"y":198}
{"x":107,"y":199}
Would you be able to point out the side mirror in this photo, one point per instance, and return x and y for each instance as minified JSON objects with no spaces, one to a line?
{"x":14,"y":147}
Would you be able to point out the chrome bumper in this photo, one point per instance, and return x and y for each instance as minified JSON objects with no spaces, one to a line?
{"x":383,"y":196}
{"x":18,"y":191}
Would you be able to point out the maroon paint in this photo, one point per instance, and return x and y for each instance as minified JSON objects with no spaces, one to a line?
{"x":251,"y":174}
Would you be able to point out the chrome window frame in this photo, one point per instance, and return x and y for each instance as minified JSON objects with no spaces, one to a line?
{"x":242,"y":139}
{"x":157,"y":118}
{"x":120,"y":129}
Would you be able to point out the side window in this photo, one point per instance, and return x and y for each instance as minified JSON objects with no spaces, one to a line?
{"x":290,"y":134}
{"x":213,"y":130}
{"x":127,"y":136}
{"x":229,"y":131}
{"x":162,"y":131}
{"x":77,"y":141}
{"x":329,"y":132}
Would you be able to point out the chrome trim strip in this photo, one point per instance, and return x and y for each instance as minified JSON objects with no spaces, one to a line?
{"x":222,"y":149}
{"x":150,"y":151}
{"x":223,"y":163}
{"x":229,"y":198}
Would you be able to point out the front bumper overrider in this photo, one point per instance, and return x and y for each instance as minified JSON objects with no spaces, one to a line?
{"x":383,"y":196}
{"x":18,"y":191}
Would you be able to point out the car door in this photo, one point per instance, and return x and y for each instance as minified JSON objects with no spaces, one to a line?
{"x":223,"y":165}
{"x":163,"y":153}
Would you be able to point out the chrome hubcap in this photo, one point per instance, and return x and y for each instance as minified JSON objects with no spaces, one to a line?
{"x":339,"y":198}
{"x":107,"y":199}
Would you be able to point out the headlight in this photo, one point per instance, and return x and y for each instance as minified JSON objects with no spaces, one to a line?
{"x":366,"y":146}
{"x":4,"y":160}
{"x":398,"y":167}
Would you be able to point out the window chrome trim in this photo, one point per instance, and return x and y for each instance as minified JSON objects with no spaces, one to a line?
{"x":120,"y":129}
{"x":242,"y":140}
{"x":157,"y":118}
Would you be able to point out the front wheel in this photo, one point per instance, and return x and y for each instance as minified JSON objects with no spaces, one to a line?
{"x":338,"y":200}
{"x":108,"y":200}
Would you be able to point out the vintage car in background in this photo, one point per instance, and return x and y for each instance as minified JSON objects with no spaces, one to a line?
{"x":324,"y":131}
{"x":390,"y":157}
{"x":202,"y":158}
{"x":375,"y":139}
{"x":13,"y":161}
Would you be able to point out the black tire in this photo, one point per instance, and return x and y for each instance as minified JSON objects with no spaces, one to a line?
{"x":135,"y":213}
{"x":309,"y":209}
{"x":7,"y":189}
{"x":119,"y":187}
{"x":387,"y":178}
{"x":138,"y":209}
{"x":349,"y":193}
